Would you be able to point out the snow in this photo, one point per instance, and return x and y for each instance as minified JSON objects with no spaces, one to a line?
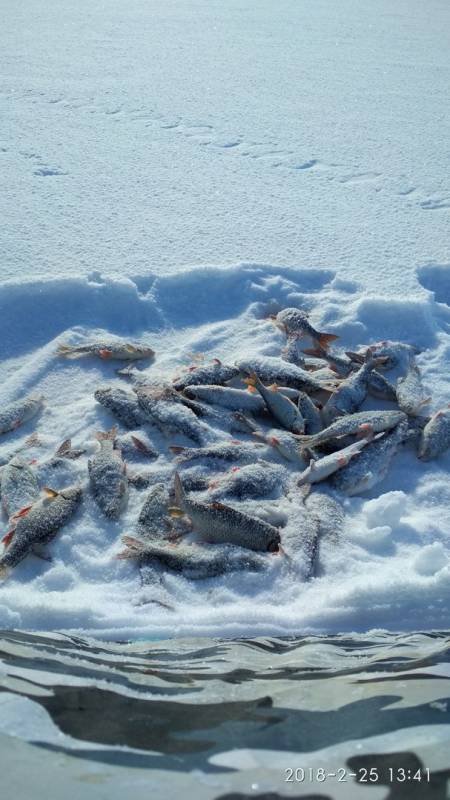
{"x":173,"y":173}
{"x":388,"y":569}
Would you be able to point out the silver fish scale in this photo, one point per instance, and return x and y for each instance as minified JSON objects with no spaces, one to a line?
{"x":274,"y":370}
{"x":349,"y":395}
{"x":226,"y":397}
{"x":225,"y":451}
{"x":123,"y":405}
{"x":435,"y":438}
{"x":40,"y":525}
{"x":172,"y":416}
{"x":370,"y":467}
{"x":108,"y":481}
{"x":17,"y":413}
{"x":350,"y":424}
{"x":198,"y":562}
{"x":216,"y":374}
{"x":19,"y":486}
{"x":253,"y":480}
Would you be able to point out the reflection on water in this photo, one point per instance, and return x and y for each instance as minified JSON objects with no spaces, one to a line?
{"x":233,"y":710}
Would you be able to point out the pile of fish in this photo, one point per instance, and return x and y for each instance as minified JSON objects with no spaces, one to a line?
{"x":252,"y":432}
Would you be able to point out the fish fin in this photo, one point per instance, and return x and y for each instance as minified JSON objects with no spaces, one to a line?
{"x":177,"y":449}
{"x":274,"y":387}
{"x":105,"y":353}
{"x":179,"y":491}
{"x":131,"y":348}
{"x":64,"y":448}
{"x":252,"y":389}
{"x":310,"y":454}
{"x":141,"y":446}
{"x":4,"y":572}
{"x":312,"y":464}
{"x":6,"y":540}
{"x":105,"y":435}
{"x":355,"y":356}
{"x":365,"y":431}
{"x":175,"y":512}
{"x":21,"y":513}
{"x":50,"y":492}
{"x":66,"y":350}
{"x":325,"y":339}
{"x":217,"y":361}
{"x":342,"y":461}
{"x":272,"y":441}
{"x":218,"y":506}
{"x":314,"y":351}
{"x":33,"y":440}
{"x":251,"y":380}
{"x":424,"y":402}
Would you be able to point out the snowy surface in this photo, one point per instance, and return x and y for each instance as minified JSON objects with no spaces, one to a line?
{"x":391,"y":567}
{"x":149,"y":136}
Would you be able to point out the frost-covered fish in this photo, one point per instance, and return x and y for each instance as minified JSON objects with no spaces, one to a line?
{"x":226,"y":397}
{"x":107,"y":350}
{"x":363,"y":423}
{"x":135,"y":445}
{"x":394,"y":353}
{"x":107,"y":475}
{"x":19,"y":487}
{"x":252,"y":480}
{"x":123,"y":405}
{"x":214,"y":373}
{"x":371,"y":466}
{"x":220,"y":524}
{"x":282,"y":408}
{"x":350,"y":394}
{"x":170,"y":415}
{"x":411,"y":396}
{"x":295,"y":321}
{"x":153,"y":523}
{"x":435,"y":438}
{"x":341,"y":364}
{"x":380,"y":387}
{"x":274,"y":370}
{"x":38,"y":525}
{"x":15,"y":414}
{"x":321,"y":468}
{"x":195,"y":561}
{"x":292,"y":352}
{"x":232,"y":450}
{"x":328,"y":512}
{"x":310,"y":413}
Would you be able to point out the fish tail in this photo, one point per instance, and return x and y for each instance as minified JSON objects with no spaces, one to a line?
{"x":64,"y":448}
{"x":141,"y":446}
{"x":67,"y":351}
{"x":103,"y":436}
{"x":134,"y":548}
{"x":252,"y":379}
{"x":314,"y":351}
{"x":177,"y":450}
{"x":179,"y":491}
{"x":355,"y":356}
{"x":325,"y":339}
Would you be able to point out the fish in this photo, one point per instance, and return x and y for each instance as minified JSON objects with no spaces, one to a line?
{"x":380,"y":387}
{"x":251,"y":480}
{"x":310,"y":413}
{"x":282,"y":408}
{"x":295,"y":321}
{"x":292,"y":352}
{"x":410,"y":393}
{"x":371,"y":466}
{"x":328,"y":512}
{"x":351,"y":392}
{"x":153,"y":522}
{"x":394,"y":353}
{"x":321,"y":468}
{"x":170,"y":415}
{"x":362,"y":423}
{"x":38,"y":525}
{"x":195,"y":561}
{"x":133,"y":445}
{"x":435,"y":438}
{"x":274,"y":370}
{"x":339,"y":363}
{"x":123,"y":405}
{"x":19,"y":486}
{"x":107,"y":350}
{"x":220,"y":524}
{"x":14,"y":415}
{"x":232,"y":450}
{"x":108,"y":477}
{"x":216,"y":373}
{"x":226,"y":397}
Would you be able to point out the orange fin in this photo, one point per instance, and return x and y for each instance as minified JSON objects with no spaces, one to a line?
{"x":104,"y":353}
{"x":50,"y":492}
{"x":8,"y":537}
{"x":325,"y":339}
{"x":22,"y":513}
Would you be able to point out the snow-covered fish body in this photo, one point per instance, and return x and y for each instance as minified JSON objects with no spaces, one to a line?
{"x":214,"y":373}
{"x":310,"y":413}
{"x":435,"y":438}
{"x":411,"y":395}
{"x":233,"y":450}
{"x":370,"y":467}
{"x":393,"y":353}
{"x":220,"y":524}
{"x":19,"y":486}
{"x":107,"y":350}
{"x":328,"y":512}
{"x":274,"y":370}
{"x":252,"y":480}
{"x":39,"y":525}
{"x":195,"y":561}
{"x":152,"y":524}
{"x":226,"y":397}
{"x":295,"y":321}
{"x":123,"y":405}
{"x":15,"y":414}
{"x":292,"y":351}
{"x":281,"y":407}
{"x":378,"y":386}
{"x":108,"y":478}
{"x":363,"y":422}
{"x":322,"y":468}
{"x":350,"y":394}
{"x":170,"y":415}
{"x":135,"y":446}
